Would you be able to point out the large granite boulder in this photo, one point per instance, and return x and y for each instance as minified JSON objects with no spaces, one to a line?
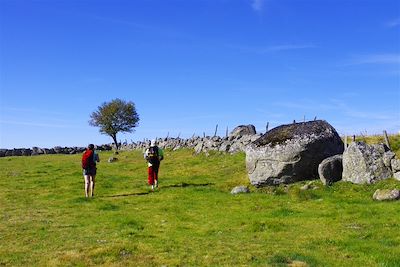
{"x":291,"y":153}
{"x":330,"y":170}
{"x":365,"y":164}
{"x":242,"y":130}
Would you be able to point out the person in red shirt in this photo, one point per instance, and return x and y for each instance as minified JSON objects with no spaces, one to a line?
{"x":89,"y":159}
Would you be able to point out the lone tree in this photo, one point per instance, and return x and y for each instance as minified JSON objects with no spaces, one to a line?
{"x":114,"y":117}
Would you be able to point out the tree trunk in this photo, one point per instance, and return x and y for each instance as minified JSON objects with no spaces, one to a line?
{"x":114,"y":137}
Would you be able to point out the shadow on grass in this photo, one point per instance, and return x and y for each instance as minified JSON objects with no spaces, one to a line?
{"x":128,"y":195}
{"x":164,"y":187}
{"x":187,"y":184}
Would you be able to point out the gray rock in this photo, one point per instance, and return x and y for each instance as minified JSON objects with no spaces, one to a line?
{"x":26,"y":152}
{"x":224,"y":147}
{"x":255,"y":137}
{"x":395,"y":163}
{"x":236,"y":147}
{"x":17,"y":152}
{"x":240,"y":189}
{"x":100,"y":148}
{"x":216,"y":139}
{"x":386,"y":194}
{"x":36,"y":151}
{"x":330,"y":170}
{"x":208,"y":144}
{"x":387,"y":157}
{"x":46,"y":151}
{"x":112,"y":159}
{"x":307,"y":186}
{"x":396,"y":175}
{"x":291,"y":153}
{"x":363,"y":164}
{"x":242,"y":130}
{"x":58,"y":150}
{"x":198,"y":148}
{"x":231,"y":138}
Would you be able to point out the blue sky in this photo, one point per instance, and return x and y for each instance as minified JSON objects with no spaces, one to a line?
{"x":189,"y":65}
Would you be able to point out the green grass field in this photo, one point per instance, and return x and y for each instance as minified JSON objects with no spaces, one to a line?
{"x":192,"y":220}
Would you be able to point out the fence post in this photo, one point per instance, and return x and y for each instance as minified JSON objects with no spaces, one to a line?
{"x":216,"y":129}
{"x":386,"y":139}
{"x":266,"y":128}
{"x":226,"y":134}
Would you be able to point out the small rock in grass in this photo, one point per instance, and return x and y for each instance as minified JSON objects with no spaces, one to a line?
{"x":240,"y":189}
{"x":386,"y":194}
{"x":112,"y":159}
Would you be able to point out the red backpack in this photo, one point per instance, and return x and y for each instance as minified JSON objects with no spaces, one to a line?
{"x":87,"y":159}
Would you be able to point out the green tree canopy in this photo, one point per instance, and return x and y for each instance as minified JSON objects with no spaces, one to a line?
{"x":114,"y":117}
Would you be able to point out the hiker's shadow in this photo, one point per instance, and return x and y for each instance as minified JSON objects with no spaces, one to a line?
{"x":187,"y":185}
{"x":129,"y":195}
{"x":164,"y":187}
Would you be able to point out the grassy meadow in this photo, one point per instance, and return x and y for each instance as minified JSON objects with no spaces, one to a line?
{"x":192,"y":220}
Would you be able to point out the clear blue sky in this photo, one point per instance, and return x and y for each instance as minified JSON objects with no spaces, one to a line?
{"x":191,"y":64}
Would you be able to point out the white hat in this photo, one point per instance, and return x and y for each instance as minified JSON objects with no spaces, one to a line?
{"x":153,"y":142}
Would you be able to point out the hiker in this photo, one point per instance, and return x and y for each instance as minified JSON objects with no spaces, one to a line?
{"x":154,"y":155}
{"x":89,"y":159}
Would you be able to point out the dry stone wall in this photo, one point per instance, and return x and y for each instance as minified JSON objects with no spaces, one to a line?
{"x":34,"y":151}
{"x":230,"y":144}
{"x":236,"y":141}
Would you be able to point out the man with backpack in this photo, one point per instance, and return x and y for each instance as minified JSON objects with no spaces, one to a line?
{"x":154,"y":155}
{"x":89,"y":159}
